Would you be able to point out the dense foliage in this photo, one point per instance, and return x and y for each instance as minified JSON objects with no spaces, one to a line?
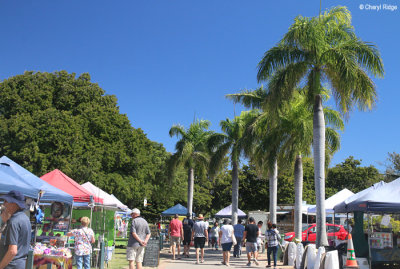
{"x":393,"y":168}
{"x":58,"y":120}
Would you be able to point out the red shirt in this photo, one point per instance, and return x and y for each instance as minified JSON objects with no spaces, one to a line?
{"x":175,"y":227}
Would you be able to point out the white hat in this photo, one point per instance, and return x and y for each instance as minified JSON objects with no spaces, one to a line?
{"x":135,"y":211}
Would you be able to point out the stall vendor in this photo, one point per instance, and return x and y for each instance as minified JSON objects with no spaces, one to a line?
{"x":14,"y":243}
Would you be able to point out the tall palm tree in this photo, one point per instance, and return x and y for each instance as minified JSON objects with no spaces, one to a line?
{"x":297,"y":129}
{"x":316,"y":51}
{"x":234,"y":142}
{"x":191,"y":152}
{"x":287,"y":138}
{"x":262,"y":136}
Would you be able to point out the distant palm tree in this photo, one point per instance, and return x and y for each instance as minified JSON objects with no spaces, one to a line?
{"x":191,"y":152}
{"x":316,"y":51}
{"x":234,"y":142}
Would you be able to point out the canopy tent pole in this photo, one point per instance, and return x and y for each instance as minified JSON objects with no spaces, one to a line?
{"x":369,"y":239}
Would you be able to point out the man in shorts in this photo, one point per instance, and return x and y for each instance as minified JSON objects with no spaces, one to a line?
{"x":200,"y":236}
{"x":250,"y":234}
{"x":138,"y":238}
{"x":175,"y":232}
{"x":187,"y":234}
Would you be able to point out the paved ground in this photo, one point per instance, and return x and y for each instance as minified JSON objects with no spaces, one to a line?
{"x":212,"y":259}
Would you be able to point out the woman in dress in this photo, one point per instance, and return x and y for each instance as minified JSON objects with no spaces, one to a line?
{"x":84,"y":237}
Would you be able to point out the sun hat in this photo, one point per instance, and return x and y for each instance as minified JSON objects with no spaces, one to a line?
{"x":135,"y":211}
{"x":15,"y":197}
{"x":200,"y":216}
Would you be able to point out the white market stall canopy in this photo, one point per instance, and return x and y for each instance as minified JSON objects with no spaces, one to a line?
{"x":108,"y":200}
{"x":383,"y":198}
{"x":332,"y":201}
{"x":227,"y":213}
{"x":343,"y":206}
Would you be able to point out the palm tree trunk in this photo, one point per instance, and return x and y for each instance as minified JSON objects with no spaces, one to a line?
{"x":319,"y":170}
{"x":273,"y":192}
{"x":190,"y":191}
{"x":298,"y":190}
{"x":235,"y":192}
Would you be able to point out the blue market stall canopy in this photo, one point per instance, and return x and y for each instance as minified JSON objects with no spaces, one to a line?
{"x":380,"y":197}
{"x":9,"y":182}
{"x":176,"y":209}
{"x":26,"y":178}
{"x":227,"y":213}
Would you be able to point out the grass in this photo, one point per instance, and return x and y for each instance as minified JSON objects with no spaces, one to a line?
{"x":118,"y":260}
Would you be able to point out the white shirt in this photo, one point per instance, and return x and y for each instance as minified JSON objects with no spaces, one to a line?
{"x":227,"y":232}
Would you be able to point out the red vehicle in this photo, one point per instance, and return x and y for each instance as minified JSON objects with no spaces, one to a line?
{"x":310,"y":232}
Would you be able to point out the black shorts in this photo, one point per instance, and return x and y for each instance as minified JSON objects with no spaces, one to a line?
{"x":199,"y":242}
{"x":186,"y":242}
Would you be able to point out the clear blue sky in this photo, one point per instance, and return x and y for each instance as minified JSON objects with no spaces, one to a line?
{"x":168,"y":61}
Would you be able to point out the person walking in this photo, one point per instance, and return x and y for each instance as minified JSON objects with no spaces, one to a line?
{"x":175,"y":232}
{"x":239,"y":229}
{"x":84,"y":238}
{"x":260,"y":237}
{"x":138,"y":238}
{"x":16,"y":237}
{"x":215,"y":235}
{"x":187,"y":234}
{"x":272,"y":237}
{"x":226,"y":241}
{"x":200,"y":236}
{"x":250,"y":234}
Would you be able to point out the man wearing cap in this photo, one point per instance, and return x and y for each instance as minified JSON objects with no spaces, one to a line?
{"x":14,"y":243}
{"x":200,"y":236}
{"x":175,"y":231}
{"x":138,"y":238}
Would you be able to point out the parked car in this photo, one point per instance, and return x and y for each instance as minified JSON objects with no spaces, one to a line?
{"x":310,"y":232}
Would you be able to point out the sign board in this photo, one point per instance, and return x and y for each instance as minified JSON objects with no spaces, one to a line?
{"x":152,"y":253}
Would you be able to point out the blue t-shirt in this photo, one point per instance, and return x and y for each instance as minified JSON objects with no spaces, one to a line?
{"x":17,"y":232}
{"x":239,"y":229}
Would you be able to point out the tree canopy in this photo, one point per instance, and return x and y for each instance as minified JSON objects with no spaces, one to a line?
{"x":59,"y":120}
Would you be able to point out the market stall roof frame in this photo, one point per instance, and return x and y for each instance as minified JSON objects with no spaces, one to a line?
{"x":332,"y":201}
{"x":63,"y":182}
{"x":380,"y":198}
{"x":10,"y":182}
{"x":227,"y":213}
{"x":108,"y":200}
{"x":176,"y":209}
{"x":51,"y":193}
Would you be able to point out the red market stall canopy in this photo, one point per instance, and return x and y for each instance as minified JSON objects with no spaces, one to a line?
{"x":63,"y":182}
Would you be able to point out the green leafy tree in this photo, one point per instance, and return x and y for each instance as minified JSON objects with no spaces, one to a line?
{"x":191,"y":153}
{"x":316,"y":51}
{"x":59,"y":120}
{"x":349,"y":174}
{"x":253,"y":190}
{"x":393,"y":168}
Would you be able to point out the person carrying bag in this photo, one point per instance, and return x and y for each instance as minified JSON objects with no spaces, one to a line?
{"x":84,"y":238}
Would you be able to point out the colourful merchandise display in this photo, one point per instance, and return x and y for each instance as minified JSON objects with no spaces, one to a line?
{"x":61,"y":257}
{"x":381,"y":240}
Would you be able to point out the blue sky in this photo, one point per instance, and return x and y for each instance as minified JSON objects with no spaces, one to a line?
{"x":168,"y":61}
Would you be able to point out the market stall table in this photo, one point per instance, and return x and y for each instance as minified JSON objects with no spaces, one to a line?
{"x":61,"y":262}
